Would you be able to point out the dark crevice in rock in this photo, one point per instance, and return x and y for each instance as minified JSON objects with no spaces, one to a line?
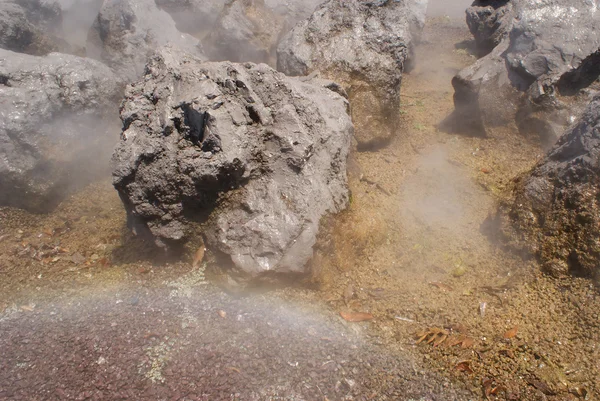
{"x":254,"y":114}
{"x":195,"y":123}
{"x":4,"y":80}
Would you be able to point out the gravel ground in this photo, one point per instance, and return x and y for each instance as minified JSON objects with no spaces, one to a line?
{"x":189,"y":341}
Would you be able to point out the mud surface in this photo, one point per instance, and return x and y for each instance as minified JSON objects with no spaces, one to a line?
{"x":89,"y":312}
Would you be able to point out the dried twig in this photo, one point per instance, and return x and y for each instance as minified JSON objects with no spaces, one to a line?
{"x":371,"y":182}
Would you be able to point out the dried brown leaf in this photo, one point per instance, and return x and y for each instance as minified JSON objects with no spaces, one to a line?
{"x":422,"y":338}
{"x":464,"y":366}
{"x":434,"y":336}
{"x":356,"y":316}
{"x":487,"y":387}
{"x":421,"y":333}
{"x":512,"y":332}
{"x":104,"y":262}
{"x":540,"y":385}
{"x":198,"y":257}
{"x":454,"y":341}
{"x":467,"y":342}
{"x":440,"y":339}
{"x":441,"y":286}
{"x":459,"y":327}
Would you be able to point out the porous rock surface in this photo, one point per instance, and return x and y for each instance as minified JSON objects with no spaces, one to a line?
{"x":364,"y":46}
{"x":54,"y":117}
{"x":547,"y":53}
{"x":249,"y":30}
{"x":30,"y":26}
{"x":489,"y":22}
{"x":126,"y":32}
{"x":555,"y":213}
{"x":262,"y":154}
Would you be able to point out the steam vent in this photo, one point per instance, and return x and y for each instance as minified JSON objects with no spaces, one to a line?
{"x":300,"y":200}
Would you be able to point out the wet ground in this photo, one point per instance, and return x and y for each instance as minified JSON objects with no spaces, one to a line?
{"x":89,"y":312}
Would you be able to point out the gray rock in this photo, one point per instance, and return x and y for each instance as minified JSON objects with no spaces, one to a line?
{"x":257,"y":157}
{"x":30,"y":26}
{"x":249,"y":30}
{"x":54,"y":117}
{"x":550,"y":53}
{"x":127,"y":32}
{"x":489,"y":22}
{"x":364,"y":46}
{"x":555,"y":212}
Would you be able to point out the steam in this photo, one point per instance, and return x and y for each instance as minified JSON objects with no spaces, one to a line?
{"x":201,"y":19}
{"x":78,"y":17}
{"x":450,"y":8}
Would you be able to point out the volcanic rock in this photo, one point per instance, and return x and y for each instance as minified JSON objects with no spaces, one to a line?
{"x":30,"y":26}
{"x":364,"y":46}
{"x":54,"y":118}
{"x":555,"y":212}
{"x":127,"y":32}
{"x":489,"y":22}
{"x":531,"y":77}
{"x":249,"y":30}
{"x":255,"y":157}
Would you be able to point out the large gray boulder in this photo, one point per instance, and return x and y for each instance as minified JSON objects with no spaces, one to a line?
{"x":555,"y":213}
{"x":249,"y":30}
{"x":489,"y":22}
{"x":549,"y":53}
{"x":363,"y":45}
{"x":260,"y":155}
{"x":30,"y":26}
{"x":55,"y":116}
{"x":126,"y":32}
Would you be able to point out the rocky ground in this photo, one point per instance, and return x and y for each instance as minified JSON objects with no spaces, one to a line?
{"x":89,"y":312}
